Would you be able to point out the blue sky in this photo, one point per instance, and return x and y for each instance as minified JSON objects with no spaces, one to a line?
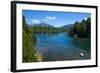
{"x":56,"y":19}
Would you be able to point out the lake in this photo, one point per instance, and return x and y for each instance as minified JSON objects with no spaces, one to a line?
{"x":60,"y":47}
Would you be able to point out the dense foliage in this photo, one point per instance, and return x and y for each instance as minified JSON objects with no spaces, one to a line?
{"x":29,"y":53}
{"x":48,"y":30}
{"x":81,"y":29}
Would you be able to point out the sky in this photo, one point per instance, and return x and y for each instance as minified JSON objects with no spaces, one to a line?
{"x":57,"y":19}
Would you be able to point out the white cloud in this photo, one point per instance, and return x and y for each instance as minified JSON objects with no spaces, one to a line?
{"x":45,"y":19}
{"x":49,"y":18}
{"x":35,"y":21}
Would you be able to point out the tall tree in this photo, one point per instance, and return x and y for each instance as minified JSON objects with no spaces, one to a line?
{"x":28,"y":50}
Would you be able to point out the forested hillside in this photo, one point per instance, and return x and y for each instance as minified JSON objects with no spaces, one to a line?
{"x":29,"y":53}
{"x":81,"y":29}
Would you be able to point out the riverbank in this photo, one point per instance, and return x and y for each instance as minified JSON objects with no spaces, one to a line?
{"x":29,"y":54}
{"x":82,"y":38}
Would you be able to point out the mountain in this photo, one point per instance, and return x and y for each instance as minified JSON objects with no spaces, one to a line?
{"x":67,"y":26}
{"x":42,"y":25}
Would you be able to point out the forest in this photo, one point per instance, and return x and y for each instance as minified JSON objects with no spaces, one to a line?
{"x":29,"y":53}
{"x":81,"y":29}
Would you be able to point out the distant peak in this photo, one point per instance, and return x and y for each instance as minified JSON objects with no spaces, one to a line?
{"x":43,"y":24}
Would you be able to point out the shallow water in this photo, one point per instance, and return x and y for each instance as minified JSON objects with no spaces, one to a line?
{"x":60,"y":47}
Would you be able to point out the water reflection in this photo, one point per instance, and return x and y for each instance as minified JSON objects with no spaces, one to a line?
{"x":58,"y":47}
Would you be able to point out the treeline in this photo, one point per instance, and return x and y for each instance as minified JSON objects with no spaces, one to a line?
{"x":29,"y":53}
{"x":48,"y":30}
{"x":81,"y":29}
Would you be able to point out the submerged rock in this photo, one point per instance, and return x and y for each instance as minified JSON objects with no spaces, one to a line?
{"x":81,"y":54}
{"x":75,"y":36}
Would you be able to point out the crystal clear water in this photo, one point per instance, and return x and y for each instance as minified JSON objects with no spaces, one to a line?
{"x":60,"y":47}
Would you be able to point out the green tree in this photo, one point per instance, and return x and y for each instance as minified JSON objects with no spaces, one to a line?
{"x":29,"y":53}
{"x":81,"y":29}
